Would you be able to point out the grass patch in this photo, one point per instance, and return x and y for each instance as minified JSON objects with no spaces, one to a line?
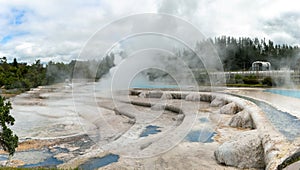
{"x":248,"y":85}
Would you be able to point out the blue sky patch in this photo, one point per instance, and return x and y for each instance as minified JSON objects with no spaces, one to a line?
{"x":17,"y":16}
{"x":9,"y":37}
{"x":5,"y":39}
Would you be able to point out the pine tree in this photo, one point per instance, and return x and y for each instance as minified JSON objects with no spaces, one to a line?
{"x":8,"y":140}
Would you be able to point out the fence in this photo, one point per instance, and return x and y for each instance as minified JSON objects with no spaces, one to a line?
{"x":284,"y":75}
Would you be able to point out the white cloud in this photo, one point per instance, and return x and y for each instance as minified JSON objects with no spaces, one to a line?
{"x":58,"y":29}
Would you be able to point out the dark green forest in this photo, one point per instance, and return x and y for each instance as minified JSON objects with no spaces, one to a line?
{"x":24,"y":76}
{"x":239,"y":54}
{"x":236,"y":54}
{"x":20,"y":75}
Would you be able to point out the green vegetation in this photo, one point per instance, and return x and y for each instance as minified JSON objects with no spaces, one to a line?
{"x":17,"y":77}
{"x":268,"y":81}
{"x":239,"y":54}
{"x":251,"y":81}
{"x":20,"y":75}
{"x":247,"y":85}
{"x":8,"y":140}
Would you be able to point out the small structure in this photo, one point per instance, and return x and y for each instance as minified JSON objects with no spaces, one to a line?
{"x":261,"y":66}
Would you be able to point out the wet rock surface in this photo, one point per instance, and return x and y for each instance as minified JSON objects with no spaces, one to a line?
{"x":71,"y":149}
{"x":49,"y":153}
{"x":292,"y":162}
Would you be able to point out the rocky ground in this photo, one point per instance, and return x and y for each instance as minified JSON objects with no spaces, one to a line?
{"x":75,"y":123}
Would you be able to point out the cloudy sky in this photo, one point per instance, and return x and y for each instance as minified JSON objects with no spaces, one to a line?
{"x":57,"y":29}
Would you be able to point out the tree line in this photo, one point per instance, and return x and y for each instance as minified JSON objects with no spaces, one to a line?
{"x":239,"y":53}
{"x":236,"y":54}
{"x":20,"y":75}
{"x":17,"y":75}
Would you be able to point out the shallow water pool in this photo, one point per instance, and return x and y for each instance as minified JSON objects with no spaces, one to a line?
{"x":150,"y":129}
{"x":154,"y":86}
{"x":203,"y":136}
{"x":50,"y":162}
{"x":35,"y":158}
{"x":203,"y":120}
{"x":96,"y":163}
{"x":284,"y":122}
{"x":289,"y":93}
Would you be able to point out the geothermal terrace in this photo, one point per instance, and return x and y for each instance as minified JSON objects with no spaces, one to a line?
{"x":76,"y":125}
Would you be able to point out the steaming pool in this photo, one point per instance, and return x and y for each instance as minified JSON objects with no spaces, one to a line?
{"x":154,"y":86}
{"x":289,"y":93}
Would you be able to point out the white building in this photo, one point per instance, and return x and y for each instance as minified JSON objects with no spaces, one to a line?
{"x":261,"y":66}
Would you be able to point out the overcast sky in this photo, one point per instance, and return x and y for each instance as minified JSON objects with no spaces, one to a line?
{"x":57,"y":29}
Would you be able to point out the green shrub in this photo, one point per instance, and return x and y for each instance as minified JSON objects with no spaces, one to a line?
{"x":250,"y":80}
{"x":238,"y":79}
{"x":268,"y":81}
